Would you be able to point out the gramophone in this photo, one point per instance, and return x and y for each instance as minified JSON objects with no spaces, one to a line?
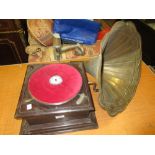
{"x":117,"y":73}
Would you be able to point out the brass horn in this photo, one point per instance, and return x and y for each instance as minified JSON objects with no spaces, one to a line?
{"x":117,"y":68}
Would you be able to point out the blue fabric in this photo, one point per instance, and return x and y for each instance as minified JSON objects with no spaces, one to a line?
{"x":78,"y":30}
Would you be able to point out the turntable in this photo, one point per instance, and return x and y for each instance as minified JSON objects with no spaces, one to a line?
{"x":55,"y":98}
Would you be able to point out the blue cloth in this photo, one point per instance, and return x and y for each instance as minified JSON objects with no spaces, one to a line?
{"x":78,"y":30}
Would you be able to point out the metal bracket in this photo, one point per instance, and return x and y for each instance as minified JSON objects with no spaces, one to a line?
{"x":94,"y":86}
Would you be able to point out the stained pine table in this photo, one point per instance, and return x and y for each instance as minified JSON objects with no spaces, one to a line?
{"x":138,"y":118}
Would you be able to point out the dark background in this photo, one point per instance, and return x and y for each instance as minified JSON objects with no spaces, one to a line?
{"x":14,"y":39}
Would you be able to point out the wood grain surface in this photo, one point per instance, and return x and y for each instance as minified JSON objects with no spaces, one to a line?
{"x":138,"y":118}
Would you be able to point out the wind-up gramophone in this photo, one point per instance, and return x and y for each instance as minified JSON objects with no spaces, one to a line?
{"x":117,"y":73}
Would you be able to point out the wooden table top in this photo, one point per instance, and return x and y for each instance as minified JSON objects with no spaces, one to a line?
{"x":138,"y":118}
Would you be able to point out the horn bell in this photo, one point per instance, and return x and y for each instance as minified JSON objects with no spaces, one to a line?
{"x":117,"y":69}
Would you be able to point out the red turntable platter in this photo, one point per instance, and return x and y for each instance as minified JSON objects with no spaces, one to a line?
{"x":55,"y":84}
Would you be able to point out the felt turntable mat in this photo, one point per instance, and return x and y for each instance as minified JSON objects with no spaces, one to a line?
{"x":55,"y":84}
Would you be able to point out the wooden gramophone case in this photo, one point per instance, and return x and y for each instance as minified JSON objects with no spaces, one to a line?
{"x":38,"y":118}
